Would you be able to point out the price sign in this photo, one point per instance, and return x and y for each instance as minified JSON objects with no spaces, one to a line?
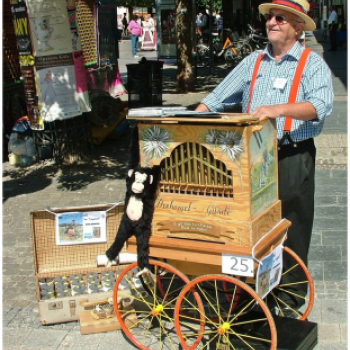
{"x":237,"y":265}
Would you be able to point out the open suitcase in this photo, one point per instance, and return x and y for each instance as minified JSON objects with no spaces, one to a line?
{"x":60,"y":298}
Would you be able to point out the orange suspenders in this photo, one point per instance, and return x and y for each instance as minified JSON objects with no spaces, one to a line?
{"x":255,"y":73}
{"x":293,"y":90}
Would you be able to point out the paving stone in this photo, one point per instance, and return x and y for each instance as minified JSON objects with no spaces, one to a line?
{"x":335,"y":271}
{"x":334,"y":238}
{"x":344,"y":333}
{"x":52,"y":339}
{"x":115,"y":339}
{"x":329,"y":253}
{"x":316,"y":270}
{"x":331,"y":346}
{"x":334,"y":212}
{"x":329,"y":333}
{"x":330,"y":223}
{"x":316,"y":238}
{"x":73,"y":340}
{"x":333,"y":312}
{"x":14,"y":337}
{"x":316,"y":312}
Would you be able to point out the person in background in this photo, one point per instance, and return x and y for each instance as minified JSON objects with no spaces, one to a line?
{"x":135,"y":31}
{"x":140,"y":22}
{"x":151,"y":20}
{"x":154,"y":32}
{"x":202,"y":23}
{"x":125,"y":23}
{"x":333,"y":24}
{"x":120,"y":28}
{"x":219,"y":23}
{"x":266,"y":95}
{"x":147,"y":36}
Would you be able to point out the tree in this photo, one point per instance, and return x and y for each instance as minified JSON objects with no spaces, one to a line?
{"x":215,"y":5}
{"x":183,"y":23}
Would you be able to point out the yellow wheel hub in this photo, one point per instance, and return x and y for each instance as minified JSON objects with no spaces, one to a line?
{"x":223,"y":328}
{"x":157,"y":310}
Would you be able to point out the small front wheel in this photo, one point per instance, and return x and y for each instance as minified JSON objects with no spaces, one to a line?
{"x":144,"y":305}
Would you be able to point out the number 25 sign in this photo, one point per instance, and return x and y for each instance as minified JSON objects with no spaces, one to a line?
{"x":237,"y":265}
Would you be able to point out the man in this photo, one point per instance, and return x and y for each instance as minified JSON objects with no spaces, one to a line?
{"x":314,"y":101}
{"x":333,"y":24}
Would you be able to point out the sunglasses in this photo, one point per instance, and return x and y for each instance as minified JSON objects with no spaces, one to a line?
{"x":280,"y":19}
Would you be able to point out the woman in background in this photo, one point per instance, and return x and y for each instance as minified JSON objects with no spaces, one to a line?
{"x":135,"y":31}
{"x":147,"y":38}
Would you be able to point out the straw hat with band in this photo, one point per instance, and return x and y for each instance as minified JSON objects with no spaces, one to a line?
{"x":298,"y":7}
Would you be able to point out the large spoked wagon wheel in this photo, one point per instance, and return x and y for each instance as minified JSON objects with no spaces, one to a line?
{"x":291,"y":290}
{"x":234,"y":316}
{"x":145,"y":304}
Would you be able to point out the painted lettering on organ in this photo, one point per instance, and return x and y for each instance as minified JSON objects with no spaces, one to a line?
{"x":173,"y":206}
{"x":211,"y":210}
{"x":214,"y":210}
{"x":192,"y":226}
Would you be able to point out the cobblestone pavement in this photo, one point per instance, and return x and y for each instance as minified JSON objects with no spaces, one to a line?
{"x":102,"y":181}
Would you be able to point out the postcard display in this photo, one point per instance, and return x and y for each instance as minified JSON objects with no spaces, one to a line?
{"x":66,"y":245}
{"x":62,"y":94}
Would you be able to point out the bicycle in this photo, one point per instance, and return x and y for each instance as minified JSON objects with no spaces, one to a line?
{"x":233,"y":51}
{"x":256,"y":40}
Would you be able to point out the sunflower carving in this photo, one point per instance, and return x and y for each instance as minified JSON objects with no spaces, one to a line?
{"x":155,"y":142}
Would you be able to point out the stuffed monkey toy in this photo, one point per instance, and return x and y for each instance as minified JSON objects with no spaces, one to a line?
{"x":141,"y":185}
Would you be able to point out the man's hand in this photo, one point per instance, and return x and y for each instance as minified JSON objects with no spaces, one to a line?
{"x":300,"y":111}
{"x":265,"y":112}
{"x":202,"y":108}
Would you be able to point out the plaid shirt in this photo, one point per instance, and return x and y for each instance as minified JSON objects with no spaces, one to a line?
{"x":315,"y":87}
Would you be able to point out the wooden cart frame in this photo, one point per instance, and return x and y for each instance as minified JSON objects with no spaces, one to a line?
{"x":187,"y":302}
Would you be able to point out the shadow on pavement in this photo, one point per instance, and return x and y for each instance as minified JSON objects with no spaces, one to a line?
{"x":337,"y":61}
{"x":108,"y":161}
{"x":207,"y":78}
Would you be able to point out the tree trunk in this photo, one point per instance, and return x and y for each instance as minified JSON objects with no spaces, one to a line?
{"x":185,"y":77}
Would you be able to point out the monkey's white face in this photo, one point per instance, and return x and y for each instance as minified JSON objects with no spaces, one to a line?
{"x":138,"y":185}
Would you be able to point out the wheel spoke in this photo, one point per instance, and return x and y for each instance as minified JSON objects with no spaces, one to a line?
{"x":235,"y":326}
{"x":295,"y":290}
{"x":153,"y":327}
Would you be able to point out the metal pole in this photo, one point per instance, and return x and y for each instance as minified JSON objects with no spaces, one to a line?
{"x":211,"y":48}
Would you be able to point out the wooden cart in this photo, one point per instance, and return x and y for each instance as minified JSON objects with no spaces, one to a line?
{"x":217,"y":215}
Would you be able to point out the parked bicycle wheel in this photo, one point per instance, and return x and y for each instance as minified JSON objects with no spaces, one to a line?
{"x":231,"y":58}
{"x":246,"y":50}
{"x":203,"y":55}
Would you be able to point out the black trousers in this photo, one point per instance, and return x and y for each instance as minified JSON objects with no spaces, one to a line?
{"x":333,"y":36}
{"x":296,"y":173}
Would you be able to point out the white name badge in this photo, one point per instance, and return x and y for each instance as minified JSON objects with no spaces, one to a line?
{"x":280,"y":83}
{"x":237,"y":265}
